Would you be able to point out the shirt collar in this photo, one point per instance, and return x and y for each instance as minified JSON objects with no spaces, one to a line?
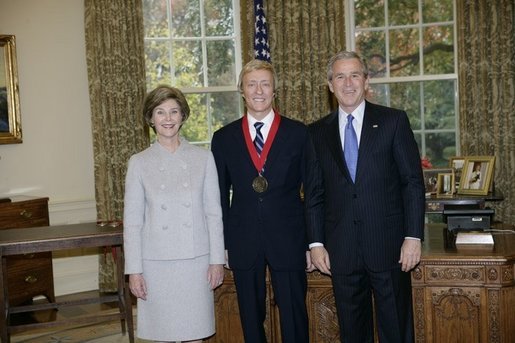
{"x":358,"y":113}
{"x":267,"y":120}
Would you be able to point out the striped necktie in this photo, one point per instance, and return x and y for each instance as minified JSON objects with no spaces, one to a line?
{"x":259,"y":141}
{"x":350,"y":148}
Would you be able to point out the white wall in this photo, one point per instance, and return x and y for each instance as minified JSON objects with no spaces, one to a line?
{"x":56,"y":157}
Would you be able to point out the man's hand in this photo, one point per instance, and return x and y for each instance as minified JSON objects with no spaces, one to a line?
{"x":320,"y":259}
{"x":138,"y":286}
{"x":410,"y":254}
{"x":309,"y":265}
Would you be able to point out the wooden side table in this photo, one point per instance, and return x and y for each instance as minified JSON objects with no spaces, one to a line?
{"x":52,"y":238}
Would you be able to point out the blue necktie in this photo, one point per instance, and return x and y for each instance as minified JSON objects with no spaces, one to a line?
{"x":259,"y":141}
{"x":350,"y":147}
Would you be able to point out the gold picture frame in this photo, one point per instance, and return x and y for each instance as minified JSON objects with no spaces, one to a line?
{"x":10,"y":117}
{"x":445,"y":186}
{"x":431,"y":178}
{"x":477,"y":175}
{"x":457,"y":163}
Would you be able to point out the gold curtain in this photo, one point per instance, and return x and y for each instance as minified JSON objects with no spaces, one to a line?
{"x":116,"y":74}
{"x":486,"y":54}
{"x":303,"y":35}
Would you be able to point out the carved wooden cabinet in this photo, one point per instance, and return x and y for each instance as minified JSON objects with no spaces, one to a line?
{"x":464,"y":294}
{"x":29,"y":275}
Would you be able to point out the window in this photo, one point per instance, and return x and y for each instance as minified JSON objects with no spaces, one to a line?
{"x":409,"y":46}
{"x":195,"y":45}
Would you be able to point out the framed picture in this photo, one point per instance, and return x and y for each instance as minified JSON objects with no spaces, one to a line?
{"x":457,"y":163}
{"x":431,"y":178}
{"x":477,"y":175}
{"x":10,"y":122}
{"x":445,"y":185}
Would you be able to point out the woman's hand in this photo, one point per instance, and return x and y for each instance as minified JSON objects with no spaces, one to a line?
{"x":138,"y":286}
{"x":215,"y":275}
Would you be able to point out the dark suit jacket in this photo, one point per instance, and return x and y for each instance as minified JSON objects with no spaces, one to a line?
{"x":271,"y":223}
{"x":371,"y":217}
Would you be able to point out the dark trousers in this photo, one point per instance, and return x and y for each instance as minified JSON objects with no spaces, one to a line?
{"x":391,"y":292}
{"x":289,"y":288}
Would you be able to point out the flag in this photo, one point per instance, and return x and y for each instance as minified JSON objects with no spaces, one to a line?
{"x":261,"y":46}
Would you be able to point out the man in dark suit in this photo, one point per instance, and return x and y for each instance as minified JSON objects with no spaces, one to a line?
{"x":365,"y":207}
{"x":261,"y":158}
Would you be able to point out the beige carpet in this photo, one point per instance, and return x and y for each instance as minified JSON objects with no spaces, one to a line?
{"x":94,"y":333}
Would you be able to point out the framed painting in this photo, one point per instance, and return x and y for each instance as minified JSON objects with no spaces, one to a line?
{"x":10,"y":118}
{"x":477,"y":175}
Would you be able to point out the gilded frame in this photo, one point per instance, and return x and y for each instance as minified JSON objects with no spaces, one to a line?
{"x":457,"y":163}
{"x":431,"y":178}
{"x":477,"y":175}
{"x":10,"y":117}
{"x":445,"y":186}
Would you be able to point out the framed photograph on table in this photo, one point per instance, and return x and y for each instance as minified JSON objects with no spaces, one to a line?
{"x":445,"y":185}
{"x":431,"y":178}
{"x":477,"y":175}
{"x":457,"y":163}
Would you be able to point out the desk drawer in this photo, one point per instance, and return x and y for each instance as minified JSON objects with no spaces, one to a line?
{"x":24,"y":214}
{"x":29,"y":275}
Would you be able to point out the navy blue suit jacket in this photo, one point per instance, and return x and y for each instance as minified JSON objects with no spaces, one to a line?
{"x":371,"y":217}
{"x":270,"y":223}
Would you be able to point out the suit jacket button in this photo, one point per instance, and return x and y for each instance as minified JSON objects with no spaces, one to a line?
{"x":354,"y":196}
{"x":165,"y":227}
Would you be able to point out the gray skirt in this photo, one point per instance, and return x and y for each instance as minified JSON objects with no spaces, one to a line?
{"x":180,"y":302}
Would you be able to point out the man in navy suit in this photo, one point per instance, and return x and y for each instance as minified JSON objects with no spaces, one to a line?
{"x":261,"y":163}
{"x":365,"y":211}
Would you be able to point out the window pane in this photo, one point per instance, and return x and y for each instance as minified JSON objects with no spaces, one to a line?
{"x":404,"y":52}
{"x":225,"y":108}
{"x":187,"y":60}
{"x":371,"y":45}
{"x":186,"y":18}
{"x":440,"y":146}
{"x":196,"y":129}
{"x":437,"y":10}
{"x":155,"y":20}
{"x":406,"y":96}
{"x":369,"y":13}
{"x":157,"y":63}
{"x":438,"y":50}
{"x":219,"y":17}
{"x":439,"y":106}
{"x":220,"y":60}
{"x":402,"y":12}
{"x":379,"y":94}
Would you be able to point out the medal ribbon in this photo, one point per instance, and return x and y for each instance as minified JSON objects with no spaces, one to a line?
{"x":259,"y":160}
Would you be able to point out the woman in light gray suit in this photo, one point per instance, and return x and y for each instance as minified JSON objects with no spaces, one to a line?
{"x":173,"y":232}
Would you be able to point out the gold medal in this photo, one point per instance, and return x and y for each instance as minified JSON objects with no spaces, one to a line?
{"x":259,"y":184}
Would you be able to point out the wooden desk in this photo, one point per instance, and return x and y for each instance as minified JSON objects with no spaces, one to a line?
{"x":464,"y":294}
{"x":52,"y":238}
{"x":459,"y":295}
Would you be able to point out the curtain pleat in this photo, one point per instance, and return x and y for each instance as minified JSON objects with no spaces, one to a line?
{"x":486,"y":72}
{"x":116,"y":76}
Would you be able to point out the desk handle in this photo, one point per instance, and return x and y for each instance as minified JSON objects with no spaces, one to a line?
{"x":31,"y":279}
{"x":26,"y":214}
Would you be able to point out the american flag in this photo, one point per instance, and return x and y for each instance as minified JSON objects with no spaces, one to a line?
{"x":261,"y":46}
